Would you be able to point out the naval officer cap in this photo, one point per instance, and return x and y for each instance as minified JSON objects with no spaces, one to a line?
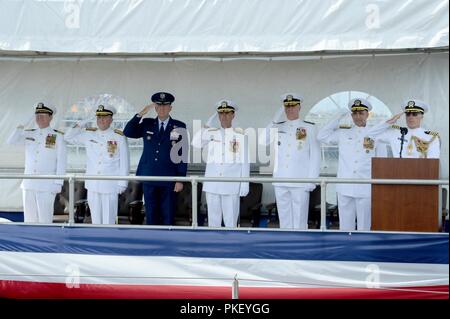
{"x":359,"y":104}
{"x":291,"y":99}
{"x":415,"y":106}
{"x":163,"y":98}
{"x":103,"y":110}
{"x":226,"y":106}
{"x":42,"y":108}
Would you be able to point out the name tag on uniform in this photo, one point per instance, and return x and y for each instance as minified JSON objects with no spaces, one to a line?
{"x":112,"y":148}
{"x":149,"y":136}
{"x":50,"y":141}
{"x":30,"y":139}
{"x":93,"y":141}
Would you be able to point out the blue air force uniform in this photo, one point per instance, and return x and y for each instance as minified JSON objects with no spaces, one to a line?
{"x":164,"y":154}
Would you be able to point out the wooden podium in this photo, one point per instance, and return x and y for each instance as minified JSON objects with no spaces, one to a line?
{"x":405,"y":207}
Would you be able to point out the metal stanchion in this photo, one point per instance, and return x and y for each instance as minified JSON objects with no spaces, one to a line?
{"x":71,"y":200}
{"x":235,"y":289}
{"x":194,"y":184}
{"x":323,"y":205}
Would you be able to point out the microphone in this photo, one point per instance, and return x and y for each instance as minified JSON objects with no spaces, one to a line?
{"x":403,"y":132}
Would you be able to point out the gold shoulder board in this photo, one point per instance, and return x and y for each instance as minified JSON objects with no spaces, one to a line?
{"x":432,"y":133}
{"x":60,"y":132}
{"x":117,"y":131}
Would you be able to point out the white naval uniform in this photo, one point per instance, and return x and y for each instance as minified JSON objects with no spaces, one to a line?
{"x":296,"y":157}
{"x":356,"y":150}
{"x":45,"y":154}
{"x":107,"y":154}
{"x":391,"y":134}
{"x":228,"y":156}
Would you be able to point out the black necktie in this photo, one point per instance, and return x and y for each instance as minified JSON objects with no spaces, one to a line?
{"x":161,"y":129}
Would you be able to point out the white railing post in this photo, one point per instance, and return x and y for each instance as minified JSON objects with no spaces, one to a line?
{"x":235,"y":288}
{"x":194,"y":184}
{"x":440,"y":221}
{"x":323,"y":205}
{"x":71,"y":199}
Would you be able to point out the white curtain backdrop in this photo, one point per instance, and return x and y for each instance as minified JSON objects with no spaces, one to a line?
{"x":208,"y":26}
{"x":254,"y":85}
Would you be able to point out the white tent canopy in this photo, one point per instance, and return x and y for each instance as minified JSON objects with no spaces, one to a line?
{"x":211,"y":26}
{"x":48,"y":52}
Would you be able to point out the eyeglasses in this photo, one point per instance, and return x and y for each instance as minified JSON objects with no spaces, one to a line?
{"x":413,"y":114}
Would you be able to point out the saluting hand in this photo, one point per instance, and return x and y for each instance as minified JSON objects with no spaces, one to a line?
{"x":343,"y":113}
{"x":28,"y":122}
{"x":210,"y":120}
{"x":178,"y":187}
{"x":146,"y":109}
{"x":395,"y":118}
{"x":83,"y":123}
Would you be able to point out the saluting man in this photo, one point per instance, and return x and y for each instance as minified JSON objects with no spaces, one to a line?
{"x":297,"y":156}
{"x":107,"y":154}
{"x":412,"y":141}
{"x":356,"y":150}
{"x":228,"y":156}
{"x":45,"y":154}
{"x":165,"y":154}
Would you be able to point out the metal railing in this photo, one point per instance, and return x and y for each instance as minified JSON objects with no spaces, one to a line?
{"x":194,"y":180}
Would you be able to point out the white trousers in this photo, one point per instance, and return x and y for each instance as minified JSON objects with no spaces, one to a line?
{"x":354,"y":211}
{"x":222,"y":206}
{"x":292,"y":205}
{"x":103,"y":207}
{"x":38,"y":206}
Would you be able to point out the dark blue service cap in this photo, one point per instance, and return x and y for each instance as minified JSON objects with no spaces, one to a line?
{"x":163,"y":98}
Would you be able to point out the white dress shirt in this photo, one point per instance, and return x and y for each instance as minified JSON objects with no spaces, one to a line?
{"x":165,"y":122}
